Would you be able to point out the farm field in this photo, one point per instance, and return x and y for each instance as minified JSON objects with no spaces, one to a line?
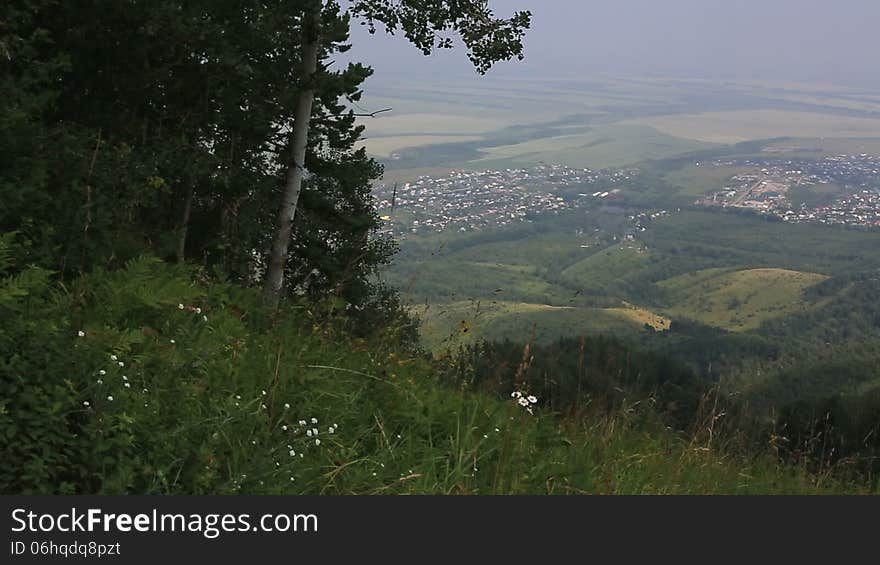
{"x":745,"y":125}
{"x":602,"y":147}
{"x":685,"y":275}
{"x":472,"y":123}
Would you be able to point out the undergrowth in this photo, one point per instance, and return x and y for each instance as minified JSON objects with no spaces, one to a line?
{"x":153,"y":379}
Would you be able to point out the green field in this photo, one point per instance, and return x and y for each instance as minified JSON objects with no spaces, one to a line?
{"x":743,"y":125}
{"x":606,"y":122}
{"x":449,"y":325}
{"x":695,"y":180}
{"x":739,"y":300}
{"x":602,"y":147}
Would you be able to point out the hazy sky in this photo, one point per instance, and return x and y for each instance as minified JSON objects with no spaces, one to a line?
{"x":831,"y":41}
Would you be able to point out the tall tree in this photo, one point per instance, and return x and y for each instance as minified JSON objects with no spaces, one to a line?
{"x":427,"y":24}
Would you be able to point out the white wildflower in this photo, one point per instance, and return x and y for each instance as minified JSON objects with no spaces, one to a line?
{"x":317,"y":442}
{"x":86,"y":403}
{"x":180,"y":306}
{"x":331,"y":430}
{"x":113,"y":357}
{"x":292,"y":453}
{"x":309,"y":433}
{"x":533,"y":400}
{"x":523,"y":402}
{"x":81,"y":333}
{"x":286,"y":406}
{"x":302,"y":422}
{"x":110,"y":398}
{"x":314,"y":420}
{"x":284,"y":428}
{"x":172,"y":341}
{"x":124,"y":378}
{"x":102,"y":372}
{"x":100,"y":381}
{"x":121,"y":364}
{"x":198,"y":310}
{"x":127,"y":385}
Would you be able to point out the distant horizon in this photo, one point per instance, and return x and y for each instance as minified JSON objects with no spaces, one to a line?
{"x":784,"y":41}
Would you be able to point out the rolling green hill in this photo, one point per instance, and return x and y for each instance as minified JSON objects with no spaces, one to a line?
{"x":739,"y":300}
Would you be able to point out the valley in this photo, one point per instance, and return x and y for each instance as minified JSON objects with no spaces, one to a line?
{"x":744,"y":236}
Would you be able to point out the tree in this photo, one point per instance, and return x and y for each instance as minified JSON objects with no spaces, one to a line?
{"x":427,"y":24}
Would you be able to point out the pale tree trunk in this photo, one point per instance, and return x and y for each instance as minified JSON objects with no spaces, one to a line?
{"x":184,"y":225}
{"x":299,"y":142}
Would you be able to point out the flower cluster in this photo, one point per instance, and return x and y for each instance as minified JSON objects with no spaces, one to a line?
{"x":116,"y":372}
{"x":527,"y":401}
{"x":194,"y":309}
{"x":305,"y":432}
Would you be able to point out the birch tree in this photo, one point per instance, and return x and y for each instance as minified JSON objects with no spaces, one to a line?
{"x":428,"y":25}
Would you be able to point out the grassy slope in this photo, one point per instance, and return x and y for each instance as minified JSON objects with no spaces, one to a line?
{"x":218,"y":405}
{"x":449,"y":324}
{"x":740,"y":300}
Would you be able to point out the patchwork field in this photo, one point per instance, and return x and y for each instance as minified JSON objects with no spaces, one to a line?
{"x":591,"y":271}
{"x":386,"y":147}
{"x":601,"y":147}
{"x":474,"y":122}
{"x":737,"y":126}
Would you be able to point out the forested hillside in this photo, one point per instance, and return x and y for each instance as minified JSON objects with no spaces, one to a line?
{"x":191,"y":298}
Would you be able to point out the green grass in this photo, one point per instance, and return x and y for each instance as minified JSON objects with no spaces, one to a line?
{"x":448,"y":325}
{"x":218,"y":403}
{"x":603,"y":271}
{"x":602,"y":147}
{"x":740,"y":300}
{"x":815,"y":195}
{"x":813,"y":147}
{"x":727,"y":126}
{"x":695,"y":181}
{"x":453,"y":279}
